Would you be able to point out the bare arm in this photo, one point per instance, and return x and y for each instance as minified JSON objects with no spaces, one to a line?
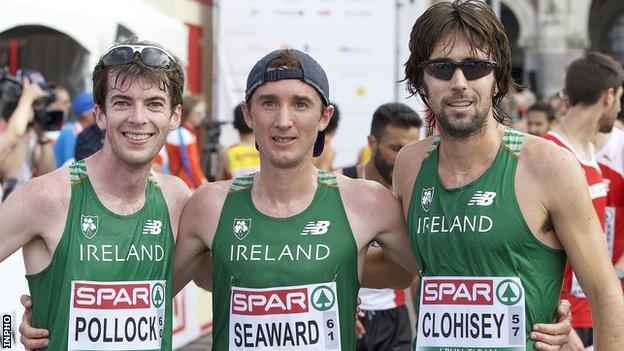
{"x":578,"y":229}
{"x":377,"y":216}
{"x":198,"y":223}
{"x":380,"y":271}
{"x":21,"y":216}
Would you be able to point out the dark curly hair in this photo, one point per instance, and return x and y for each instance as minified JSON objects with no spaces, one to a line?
{"x":473,"y":20}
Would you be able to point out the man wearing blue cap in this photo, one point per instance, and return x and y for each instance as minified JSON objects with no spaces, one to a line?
{"x":65,"y":145}
{"x":288,"y":243}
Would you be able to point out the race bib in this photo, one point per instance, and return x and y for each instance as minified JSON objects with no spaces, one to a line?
{"x":303,"y":317}
{"x":116,"y":315}
{"x":471,"y":313}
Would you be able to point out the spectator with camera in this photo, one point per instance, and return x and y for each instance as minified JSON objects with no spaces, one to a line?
{"x":25,"y":149}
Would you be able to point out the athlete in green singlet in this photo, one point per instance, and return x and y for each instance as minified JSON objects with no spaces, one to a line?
{"x":490,"y":210}
{"x":289,"y":242}
{"x":98,"y":236}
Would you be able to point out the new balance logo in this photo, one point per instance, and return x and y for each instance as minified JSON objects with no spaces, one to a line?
{"x":482,"y":198}
{"x":316,"y":228}
{"x":152,"y":227}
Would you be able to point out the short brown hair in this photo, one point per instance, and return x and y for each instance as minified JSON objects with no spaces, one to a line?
{"x":473,"y":20}
{"x":588,"y":77}
{"x":170,"y":79}
{"x":287,"y":59}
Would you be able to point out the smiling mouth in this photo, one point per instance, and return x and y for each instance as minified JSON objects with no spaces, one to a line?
{"x":282,"y":140}
{"x":137,"y":136}
{"x":460,"y":103}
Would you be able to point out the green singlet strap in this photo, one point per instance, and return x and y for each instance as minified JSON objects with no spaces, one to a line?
{"x":513,"y":139}
{"x":242,"y":183}
{"x":327,"y":177}
{"x":434,"y":144}
{"x":77,"y":170}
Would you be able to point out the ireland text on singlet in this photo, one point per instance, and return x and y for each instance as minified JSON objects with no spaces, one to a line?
{"x":284,"y":283}
{"x":109,"y":284}
{"x":486,"y":278}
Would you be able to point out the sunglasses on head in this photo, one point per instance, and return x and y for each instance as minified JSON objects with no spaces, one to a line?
{"x":444,"y":68}
{"x":150,"y":55}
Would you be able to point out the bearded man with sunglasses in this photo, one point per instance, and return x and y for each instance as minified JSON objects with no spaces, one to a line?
{"x":492,"y":212}
{"x":98,"y":235}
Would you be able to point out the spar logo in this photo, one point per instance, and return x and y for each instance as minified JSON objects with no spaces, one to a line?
{"x":458,"y":292}
{"x":323,"y":298}
{"x":117,"y":295}
{"x":508,"y":292}
{"x":266,"y":302}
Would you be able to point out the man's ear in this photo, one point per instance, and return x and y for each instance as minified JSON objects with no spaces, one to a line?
{"x":100,"y":118}
{"x":608,"y":97}
{"x":328,"y":112}
{"x":175,"y":119}
{"x":372,"y":142}
{"x":247,"y":115}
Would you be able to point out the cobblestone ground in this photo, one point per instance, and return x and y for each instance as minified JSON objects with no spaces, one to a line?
{"x":203,"y":343}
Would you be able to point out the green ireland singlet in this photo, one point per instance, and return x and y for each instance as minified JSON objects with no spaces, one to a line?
{"x":486,"y":279}
{"x":109,"y":284}
{"x":284,"y":283}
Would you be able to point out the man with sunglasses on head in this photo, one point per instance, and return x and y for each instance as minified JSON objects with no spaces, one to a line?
{"x":98,"y":235}
{"x":492,"y":212}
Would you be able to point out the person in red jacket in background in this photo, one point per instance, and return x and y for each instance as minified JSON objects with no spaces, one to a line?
{"x":183,"y":145}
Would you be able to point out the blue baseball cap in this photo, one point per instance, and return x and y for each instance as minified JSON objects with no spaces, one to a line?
{"x":309,"y":72}
{"x":82,"y":103}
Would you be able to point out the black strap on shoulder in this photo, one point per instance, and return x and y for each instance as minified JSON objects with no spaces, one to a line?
{"x":350,"y":172}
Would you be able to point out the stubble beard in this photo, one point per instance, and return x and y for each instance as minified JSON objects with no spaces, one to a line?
{"x":463,"y":129}
{"x":384,"y":169}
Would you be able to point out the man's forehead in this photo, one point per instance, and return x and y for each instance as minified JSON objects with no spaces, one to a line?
{"x":456,"y":47}
{"x":134,"y":84}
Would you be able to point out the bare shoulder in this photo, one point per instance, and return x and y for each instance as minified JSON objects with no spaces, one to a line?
{"x":174,"y":189}
{"x":407,"y":166}
{"x":203,"y":209}
{"x":547,"y":162}
{"x":362,"y":193}
{"x":205,"y":205}
{"x":44,"y":192}
{"x":41,"y":204}
{"x":212,"y":195}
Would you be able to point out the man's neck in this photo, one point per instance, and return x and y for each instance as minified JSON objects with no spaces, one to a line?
{"x":247,"y":139}
{"x":116,"y":178}
{"x":463,"y":155}
{"x":579,"y":126}
{"x":283,"y":192}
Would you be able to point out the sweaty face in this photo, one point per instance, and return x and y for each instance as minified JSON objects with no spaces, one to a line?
{"x":286,"y":117}
{"x":137,"y":119}
{"x":385,"y":150}
{"x":607,"y":120}
{"x":461,"y":106}
{"x":537,"y":123}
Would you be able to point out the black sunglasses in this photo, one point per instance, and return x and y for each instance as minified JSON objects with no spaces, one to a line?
{"x":150,"y":55}
{"x":444,"y":68}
